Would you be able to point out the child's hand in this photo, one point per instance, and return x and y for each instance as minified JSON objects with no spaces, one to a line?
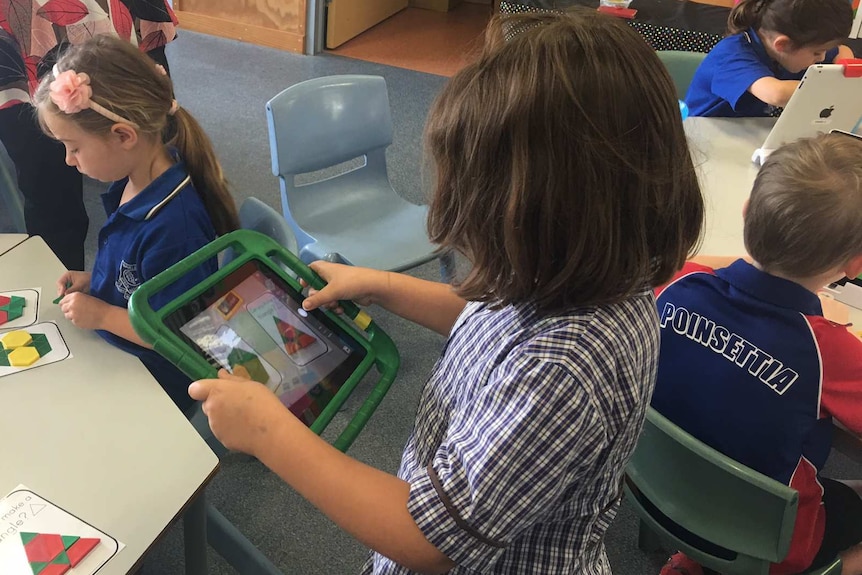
{"x":342,"y":283}
{"x":242,"y":413}
{"x":84,"y":311}
{"x":71,"y":282}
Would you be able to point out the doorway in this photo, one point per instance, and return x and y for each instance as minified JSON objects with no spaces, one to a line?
{"x":428,"y":36}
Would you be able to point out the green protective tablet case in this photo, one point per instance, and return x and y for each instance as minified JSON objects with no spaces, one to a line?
{"x":246,"y":245}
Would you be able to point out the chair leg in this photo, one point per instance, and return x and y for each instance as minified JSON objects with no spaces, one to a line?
{"x":235,"y":548}
{"x":195,"y":536}
{"x":447,"y":267}
{"x":648,"y":541}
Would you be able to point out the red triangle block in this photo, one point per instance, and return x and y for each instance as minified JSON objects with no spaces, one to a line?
{"x":55,"y":569}
{"x":81,"y":549}
{"x":4,"y":317}
{"x":4,"y":300}
{"x":44,"y":548}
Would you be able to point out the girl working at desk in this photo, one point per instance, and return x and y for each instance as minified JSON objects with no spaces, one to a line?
{"x":113,"y":109}
{"x":562,"y":172}
{"x":771,"y":43}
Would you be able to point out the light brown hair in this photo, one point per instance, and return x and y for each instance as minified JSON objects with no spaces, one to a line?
{"x":560,"y":165}
{"x":805,"y":22}
{"x":127,"y":82}
{"x":804,"y":216}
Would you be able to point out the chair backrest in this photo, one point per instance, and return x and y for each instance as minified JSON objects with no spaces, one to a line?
{"x":721,"y":513}
{"x":260,"y":217}
{"x":326,"y":121}
{"x":11,"y":202}
{"x":681,"y":66}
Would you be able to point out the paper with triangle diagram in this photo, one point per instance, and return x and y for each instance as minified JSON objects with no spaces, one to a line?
{"x":38,"y":537}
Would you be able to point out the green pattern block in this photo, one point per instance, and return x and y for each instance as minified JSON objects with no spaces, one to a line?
{"x":37,"y":567}
{"x":40,"y":342}
{"x":69,"y":540}
{"x":4,"y":361}
{"x":27,"y":537}
{"x":62,"y":559}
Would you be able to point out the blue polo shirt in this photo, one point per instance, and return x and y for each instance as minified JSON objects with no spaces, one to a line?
{"x":164,"y":223}
{"x":749,"y":365}
{"x":720,"y":85}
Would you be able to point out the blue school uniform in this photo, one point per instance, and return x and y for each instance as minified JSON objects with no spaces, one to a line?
{"x":720,"y":85}
{"x":164,"y":223}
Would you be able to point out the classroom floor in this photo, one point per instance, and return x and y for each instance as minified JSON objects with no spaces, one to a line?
{"x":423,"y":40}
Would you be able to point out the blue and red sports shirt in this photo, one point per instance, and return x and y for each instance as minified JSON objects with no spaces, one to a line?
{"x":750,"y":366}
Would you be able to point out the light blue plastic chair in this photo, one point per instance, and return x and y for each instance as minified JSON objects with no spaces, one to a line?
{"x":11,"y":203}
{"x":681,"y":66}
{"x":352,"y":217}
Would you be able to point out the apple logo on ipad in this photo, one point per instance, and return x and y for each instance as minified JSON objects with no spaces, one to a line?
{"x":825,"y":116}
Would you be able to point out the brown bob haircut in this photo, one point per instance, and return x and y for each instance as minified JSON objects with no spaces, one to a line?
{"x":804,"y":216}
{"x":805,"y":22}
{"x":560,"y":165}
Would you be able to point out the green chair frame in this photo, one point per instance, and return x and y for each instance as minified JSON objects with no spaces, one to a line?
{"x":720,"y":513}
{"x":681,"y":66}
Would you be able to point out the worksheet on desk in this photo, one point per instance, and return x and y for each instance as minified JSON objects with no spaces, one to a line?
{"x":37,"y":536}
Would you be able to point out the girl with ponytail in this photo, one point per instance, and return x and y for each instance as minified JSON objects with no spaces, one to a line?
{"x":114,"y":111}
{"x":770,"y":45}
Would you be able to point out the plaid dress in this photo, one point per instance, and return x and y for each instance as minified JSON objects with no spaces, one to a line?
{"x":523,"y":430}
{"x":33,"y":33}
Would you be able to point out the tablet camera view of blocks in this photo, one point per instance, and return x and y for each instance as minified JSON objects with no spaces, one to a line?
{"x":52,"y":554}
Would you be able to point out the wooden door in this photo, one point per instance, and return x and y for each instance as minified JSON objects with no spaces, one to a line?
{"x":346,"y":19}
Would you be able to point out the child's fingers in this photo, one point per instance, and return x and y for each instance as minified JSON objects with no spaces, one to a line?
{"x":200,"y":390}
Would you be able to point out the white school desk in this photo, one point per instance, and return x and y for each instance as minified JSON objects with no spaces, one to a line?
{"x":96,"y":435}
{"x":9,"y":241}
{"x":722,"y":149}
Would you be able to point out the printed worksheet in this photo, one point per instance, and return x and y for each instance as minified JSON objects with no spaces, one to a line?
{"x":39,"y":537}
{"x":19,"y":308}
{"x":31,"y":347}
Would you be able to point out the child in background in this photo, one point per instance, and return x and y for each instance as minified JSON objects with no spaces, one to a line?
{"x":562,"y":172}
{"x":770,"y":45}
{"x":114,"y":111}
{"x":748,"y":363}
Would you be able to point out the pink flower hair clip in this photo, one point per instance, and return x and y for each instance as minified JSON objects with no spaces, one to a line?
{"x":71,"y":92}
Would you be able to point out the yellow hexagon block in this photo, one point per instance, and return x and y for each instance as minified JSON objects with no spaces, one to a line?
{"x":23,"y":356}
{"x":16,"y":339}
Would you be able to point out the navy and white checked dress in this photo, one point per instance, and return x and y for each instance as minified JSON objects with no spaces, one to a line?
{"x":522,"y":433}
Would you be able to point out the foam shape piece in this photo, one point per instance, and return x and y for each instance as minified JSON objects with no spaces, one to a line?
{"x":37,"y":567}
{"x":69,"y":540}
{"x":16,"y":339}
{"x":15,"y":312}
{"x":4,"y":317}
{"x":81,"y":549}
{"x":5,"y":300}
{"x":23,"y":357}
{"x":27,"y":537}
{"x":44,"y":548}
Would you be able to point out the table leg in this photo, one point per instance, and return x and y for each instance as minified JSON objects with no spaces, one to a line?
{"x":195,"y":536}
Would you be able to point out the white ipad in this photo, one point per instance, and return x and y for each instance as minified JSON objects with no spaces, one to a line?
{"x":826,"y":99}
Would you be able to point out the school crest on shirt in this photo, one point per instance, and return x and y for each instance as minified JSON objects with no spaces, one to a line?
{"x":127,"y":280}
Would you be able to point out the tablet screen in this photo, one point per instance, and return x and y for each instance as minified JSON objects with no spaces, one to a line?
{"x":252,"y":324}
